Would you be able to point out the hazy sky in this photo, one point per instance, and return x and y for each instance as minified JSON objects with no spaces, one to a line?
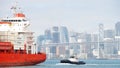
{"x":76,"y":15}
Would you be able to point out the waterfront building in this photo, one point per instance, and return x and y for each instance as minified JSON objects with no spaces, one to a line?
{"x":85,"y":50}
{"x":61,"y":51}
{"x":73,"y":39}
{"x":109,"y":48}
{"x":117,"y":43}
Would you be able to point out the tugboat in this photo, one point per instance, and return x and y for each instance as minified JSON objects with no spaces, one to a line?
{"x":72,"y":60}
{"x":17,"y":46}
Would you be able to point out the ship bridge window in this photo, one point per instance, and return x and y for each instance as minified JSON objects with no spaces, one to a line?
{"x":15,"y":20}
{"x":24,"y":20}
{"x":4,"y":20}
{"x":11,"y":20}
{"x":19,"y":20}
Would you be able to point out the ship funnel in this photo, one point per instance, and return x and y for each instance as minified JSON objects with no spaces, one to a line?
{"x":19,"y":15}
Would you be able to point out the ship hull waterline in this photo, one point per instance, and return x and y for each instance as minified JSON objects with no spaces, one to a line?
{"x":7,"y":60}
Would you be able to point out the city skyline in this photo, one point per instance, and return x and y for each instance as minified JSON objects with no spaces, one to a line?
{"x":104,"y":45}
{"x":77,"y":15}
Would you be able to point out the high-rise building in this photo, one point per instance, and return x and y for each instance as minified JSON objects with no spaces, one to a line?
{"x":109,"y":47}
{"x":73,"y":37}
{"x":40,"y":40}
{"x":64,"y":38}
{"x":55,"y":35}
{"x":101,"y":32}
{"x":94,"y":38}
{"x":117,"y":36}
{"x":117,"y":29}
{"x":109,"y":33}
{"x":100,"y":40}
{"x":53,"y":50}
{"x":85,"y":46}
{"x":60,"y":51}
{"x":117,"y":44}
{"x":48,"y":34}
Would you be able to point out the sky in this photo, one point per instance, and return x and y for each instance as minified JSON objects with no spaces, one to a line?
{"x":76,"y":15}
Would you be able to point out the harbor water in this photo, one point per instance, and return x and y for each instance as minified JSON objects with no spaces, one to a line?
{"x":89,"y":64}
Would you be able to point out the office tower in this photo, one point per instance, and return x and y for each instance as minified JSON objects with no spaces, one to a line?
{"x":64,"y":38}
{"x":84,"y":47}
{"x":55,"y":35}
{"x":48,"y":34}
{"x":109,"y":47}
{"x":101,"y":32}
{"x":94,"y":39}
{"x":117,"y":36}
{"x":73,"y":37}
{"x":109,"y":33}
{"x":117,"y":29}
{"x":117,"y":44}
{"x":61,"y":51}
{"x":94,"y":46}
{"x":100,"y":40}
{"x":40,"y":40}
{"x":53,"y":51}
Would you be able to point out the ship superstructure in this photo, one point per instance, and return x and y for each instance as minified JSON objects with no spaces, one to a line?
{"x":15,"y":30}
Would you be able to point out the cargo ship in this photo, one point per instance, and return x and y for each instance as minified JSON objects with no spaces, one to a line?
{"x":17,"y":46}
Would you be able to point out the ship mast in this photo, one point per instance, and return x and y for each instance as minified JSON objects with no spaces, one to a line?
{"x":16,"y":9}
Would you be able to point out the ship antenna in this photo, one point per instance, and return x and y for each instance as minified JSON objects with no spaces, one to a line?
{"x":14,"y":8}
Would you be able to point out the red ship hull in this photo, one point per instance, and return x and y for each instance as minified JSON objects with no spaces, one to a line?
{"x":21,"y":59}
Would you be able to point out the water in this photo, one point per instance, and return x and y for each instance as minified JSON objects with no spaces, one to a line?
{"x":89,"y":64}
